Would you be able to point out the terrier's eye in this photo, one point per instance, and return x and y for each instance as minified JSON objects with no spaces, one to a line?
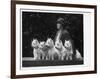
{"x":57,"y":44}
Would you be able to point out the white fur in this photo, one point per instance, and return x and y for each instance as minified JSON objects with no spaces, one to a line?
{"x":78,"y":55}
{"x":69,"y":51}
{"x":41,"y":47}
{"x":59,"y":48}
{"x":52,"y":52}
{"x":36,"y":51}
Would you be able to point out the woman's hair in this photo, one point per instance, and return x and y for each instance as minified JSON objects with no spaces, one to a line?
{"x":60,"y":20}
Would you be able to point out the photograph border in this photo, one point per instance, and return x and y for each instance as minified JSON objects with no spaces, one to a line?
{"x":13,"y":38}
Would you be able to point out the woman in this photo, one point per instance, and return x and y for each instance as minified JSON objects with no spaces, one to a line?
{"x":62,"y":34}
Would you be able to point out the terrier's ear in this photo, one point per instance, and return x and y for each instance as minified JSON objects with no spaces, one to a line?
{"x":48,"y":38}
{"x":69,"y":41}
{"x":33,"y":39}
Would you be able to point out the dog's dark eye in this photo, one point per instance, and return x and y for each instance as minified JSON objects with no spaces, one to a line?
{"x":57,"y":44}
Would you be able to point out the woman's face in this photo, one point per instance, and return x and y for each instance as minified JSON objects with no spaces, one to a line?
{"x":58,"y":25}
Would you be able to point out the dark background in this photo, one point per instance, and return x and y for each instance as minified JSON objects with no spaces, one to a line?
{"x":43,"y":25}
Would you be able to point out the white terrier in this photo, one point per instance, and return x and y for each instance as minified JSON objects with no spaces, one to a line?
{"x":78,"y":55}
{"x":52,"y":53}
{"x":59,"y":48}
{"x":42,"y":49}
{"x":36,"y":51}
{"x":69,"y":50}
